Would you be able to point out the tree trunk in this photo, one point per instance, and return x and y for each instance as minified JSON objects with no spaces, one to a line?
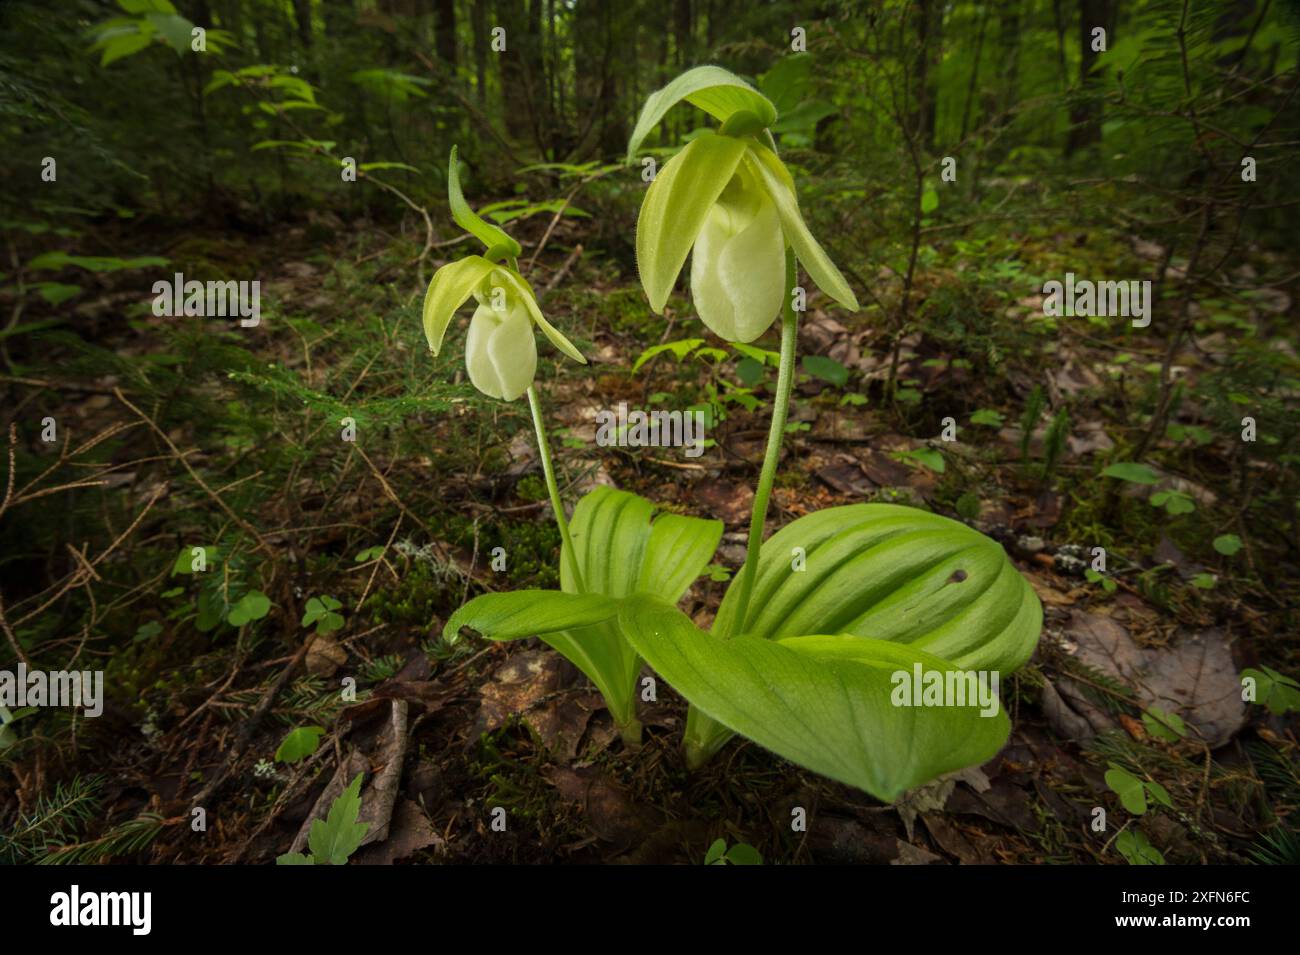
{"x":302,"y":19}
{"x":478,"y":19}
{"x":974,"y":74}
{"x":444,"y":36}
{"x":1085,"y":115}
{"x":514,"y":102}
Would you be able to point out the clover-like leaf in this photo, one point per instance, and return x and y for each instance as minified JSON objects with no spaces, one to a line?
{"x":1137,"y":849}
{"x":254,"y":605}
{"x":300,"y":743}
{"x":1131,"y":791}
{"x":1164,"y":725}
{"x":320,"y":611}
{"x":1276,"y":691}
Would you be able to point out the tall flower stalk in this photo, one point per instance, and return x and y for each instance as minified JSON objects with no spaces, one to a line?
{"x":728,"y":201}
{"x":772,"y":454}
{"x":552,"y":488}
{"x":500,"y":350}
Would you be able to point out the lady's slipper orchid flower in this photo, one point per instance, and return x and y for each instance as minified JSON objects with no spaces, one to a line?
{"x":730,"y":198}
{"x":500,"y":350}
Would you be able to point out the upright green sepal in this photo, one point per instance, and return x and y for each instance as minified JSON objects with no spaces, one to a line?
{"x":718,"y":92}
{"x":493,"y":237}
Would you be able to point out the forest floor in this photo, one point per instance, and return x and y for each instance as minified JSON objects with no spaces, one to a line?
{"x":244,"y":453}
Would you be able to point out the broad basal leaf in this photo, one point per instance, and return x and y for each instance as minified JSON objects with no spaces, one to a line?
{"x":889,"y":573}
{"x":828,"y":703}
{"x":516,"y":614}
{"x":622,"y":548}
{"x":892,"y":573}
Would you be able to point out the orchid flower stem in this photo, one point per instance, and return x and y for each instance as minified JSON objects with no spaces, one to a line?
{"x":544,"y":450}
{"x":780,"y":408}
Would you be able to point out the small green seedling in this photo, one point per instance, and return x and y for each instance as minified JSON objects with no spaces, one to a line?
{"x":1132,"y":472}
{"x":1137,"y":849}
{"x":321,"y":612}
{"x":333,"y":839}
{"x":826,"y":369}
{"x":1168,"y":727}
{"x":926,"y":457}
{"x":739,"y":854}
{"x":1227,"y":544}
{"x":1276,"y":691}
{"x":1133,"y":792}
{"x":1175,"y":502}
{"x":299,"y":744}
{"x":1097,"y":577}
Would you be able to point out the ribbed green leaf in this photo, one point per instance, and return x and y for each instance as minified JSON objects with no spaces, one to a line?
{"x":676,"y":206}
{"x":890,"y":573}
{"x":490,"y":235}
{"x":620,"y":552}
{"x":718,"y":92}
{"x":622,"y":548}
{"x":516,"y":614}
{"x":824,"y":702}
{"x":780,"y":186}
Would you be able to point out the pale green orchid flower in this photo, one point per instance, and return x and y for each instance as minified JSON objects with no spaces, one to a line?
{"x":500,"y":349}
{"x":728,"y":197}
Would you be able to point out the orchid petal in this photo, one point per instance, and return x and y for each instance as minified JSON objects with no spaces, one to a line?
{"x":450,"y":287}
{"x":500,"y":352}
{"x":780,"y":186}
{"x":553,"y":334}
{"x":676,"y":206}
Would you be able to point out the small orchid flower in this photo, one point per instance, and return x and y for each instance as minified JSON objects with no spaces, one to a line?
{"x":728,"y":197}
{"x":500,"y":349}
